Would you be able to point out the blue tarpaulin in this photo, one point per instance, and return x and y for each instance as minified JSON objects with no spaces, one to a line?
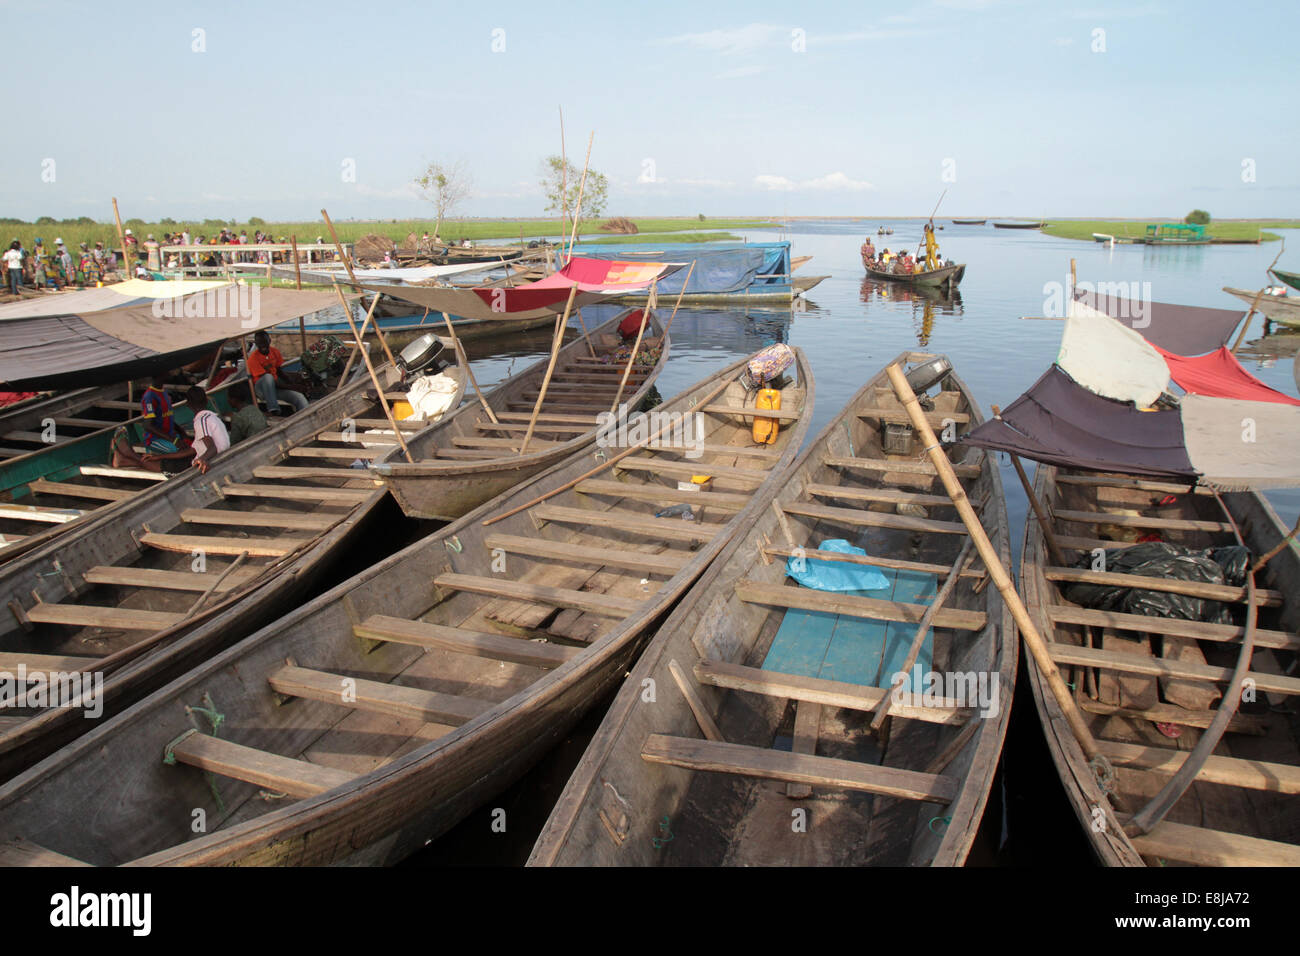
{"x":720,"y":268}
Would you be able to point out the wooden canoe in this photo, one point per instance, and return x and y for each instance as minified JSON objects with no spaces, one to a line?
{"x":150,"y":574}
{"x":372,"y":719}
{"x":969,"y":222}
{"x":469,"y":459}
{"x":767,"y":667}
{"x":1019,"y":225}
{"x":1288,"y":278}
{"x":1131,"y":672}
{"x":946,"y":277}
{"x":48,"y":491}
{"x":1282,"y":309}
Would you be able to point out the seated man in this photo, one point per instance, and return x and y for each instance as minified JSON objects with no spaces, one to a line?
{"x":248,"y":419}
{"x":210,"y":435}
{"x":266,"y":369}
{"x":161,"y":433}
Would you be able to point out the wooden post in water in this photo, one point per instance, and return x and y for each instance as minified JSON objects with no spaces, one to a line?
{"x":557,"y":339}
{"x":374,"y":377}
{"x":1001,"y":579}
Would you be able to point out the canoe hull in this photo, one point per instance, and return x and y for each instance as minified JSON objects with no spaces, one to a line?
{"x":1282,"y":309}
{"x":945,"y":277}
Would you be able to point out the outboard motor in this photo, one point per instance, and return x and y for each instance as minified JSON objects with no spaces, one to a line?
{"x":897,"y":437}
{"x":425,"y":354}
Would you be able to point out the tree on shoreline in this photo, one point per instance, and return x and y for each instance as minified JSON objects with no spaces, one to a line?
{"x":446,"y":186}
{"x":1198,"y":217}
{"x":561,"y":186}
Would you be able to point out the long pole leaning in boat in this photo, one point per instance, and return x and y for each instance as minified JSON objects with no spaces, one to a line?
{"x":577,"y":209}
{"x":347,"y":264}
{"x":678,"y":304}
{"x":609,"y":462}
{"x":556,"y":339}
{"x":650,"y":302}
{"x":464,"y":361}
{"x":374,"y":376}
{"x":1001,"y":579}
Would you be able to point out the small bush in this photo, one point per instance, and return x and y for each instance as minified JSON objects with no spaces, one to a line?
{"x":1198,"y":217}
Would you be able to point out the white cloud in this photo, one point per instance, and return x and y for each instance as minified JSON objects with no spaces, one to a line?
{"x":737,"y":40}
{"x":831,"y":182}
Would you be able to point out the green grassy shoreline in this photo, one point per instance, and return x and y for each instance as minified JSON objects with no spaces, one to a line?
{"x":1230,"y":229}
{"x":679,"y":230}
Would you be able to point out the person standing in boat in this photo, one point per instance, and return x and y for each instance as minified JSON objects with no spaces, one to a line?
{"x":868,"y":251}
{"x":931,"y":248}
{"x":266,"y":369}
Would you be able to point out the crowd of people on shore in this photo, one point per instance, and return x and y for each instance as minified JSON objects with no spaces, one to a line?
{"x":56,"y":267}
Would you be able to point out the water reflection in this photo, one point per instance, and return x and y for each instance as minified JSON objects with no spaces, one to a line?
{"x":925,"y":302}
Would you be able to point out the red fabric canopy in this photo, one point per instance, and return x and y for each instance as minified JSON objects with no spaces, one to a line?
{"x":1220,"y":375}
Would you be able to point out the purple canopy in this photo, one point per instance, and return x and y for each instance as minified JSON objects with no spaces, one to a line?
{"x":1181,"y":329}
{"x":1062,"y":423}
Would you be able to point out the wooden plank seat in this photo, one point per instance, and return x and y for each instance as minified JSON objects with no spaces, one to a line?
{"x":899,"y":414}
{"x":662,"y":494}
{"x":360,"y":437}
{"x":739,"y":451}
{"x":819,"y":690}
{"x":131,"y":474}
{"x":1160,"y":667}
{"x":873,"y":519}
{"x":89,"y":615}
{"x":317,"y":451}
{"x":169,"y":580}
{"x":605,"y":605}
{"x":277,"y":472}
{"x":781,"y":765}
{"x":1135,"y":484}
{"x":20,"y":852}
{"x":1215,"y":592}
{"x":71,"y":490}
{"x":522,"y":427}
{"x":564,"y":552}
{"x":229,"y":518}
{"x":741,"y":410}
{"x":1231,"y":771}
{"x":852,"y":605}
{"x":1142,"y":521}
{"x":1199,"y":630}
{"x":507,"y":444}
{"x":214,"y":544}
{"x":43,"y":663}
{"x":476,"y":454}
{"x":312,"y":493}
{"x":688,"y":469}
{"x":42,"y":515}
{"x":903,"y":467}
{"x":1173,"y":714}
{"x":95,"y":423}
{"x":383,"y":424}
{"x":676,"y":529}
{"x":297,"y":778}
{"x":588,"y":421}
{"x":1204,"y":847}
{"x":381,"y":627}
{"x":376,"y":697}
{"x":816,"y":554}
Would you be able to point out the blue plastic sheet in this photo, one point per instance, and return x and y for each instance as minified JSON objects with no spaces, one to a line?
{"x":718,"y":268}
{"x":836,"y":575}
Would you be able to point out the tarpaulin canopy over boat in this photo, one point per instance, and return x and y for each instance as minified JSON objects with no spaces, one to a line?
{"x":131,"y":292}
{"x":1220,"y":375}
{"x":1183,"y":329}
{"x":718,"y":269}
{"x":99,"y":347}
{"x":399,"y":275}
{"x":596,"y":280}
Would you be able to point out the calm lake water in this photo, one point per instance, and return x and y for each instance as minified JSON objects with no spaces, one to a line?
{"x":850,"y":328}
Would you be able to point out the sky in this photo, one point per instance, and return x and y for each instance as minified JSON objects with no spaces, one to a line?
{"x":1016,"y":108}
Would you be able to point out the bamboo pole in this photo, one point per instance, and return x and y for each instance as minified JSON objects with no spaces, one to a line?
{"x":678,"y":303}
{"x":243,"y":346}
{"x":577,"y":211}
{"x":464,"y":361}
{"x":1001,"y":579}
{"x":121,"y":238}
{"x":564,"y":184}
{"x":914,"y":649}
{"x":374,"y":377}
{"x":585,"y":337}
{"x":1044,"y":522}
{"x":1145,"y":819}
{"x":605,"y":464}
{"x":556,"y":339}
{"x":1274,"y":551}
{"x":365,"y":322}
{"x":636,"y":347}
{"x":379,"y":333}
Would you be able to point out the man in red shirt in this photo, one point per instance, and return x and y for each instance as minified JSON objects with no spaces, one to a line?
{"x":266,"y":369}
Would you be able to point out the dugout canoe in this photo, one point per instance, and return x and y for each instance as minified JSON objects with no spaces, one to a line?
{"x":764,"y":689}
{"x":1282,"y":309}
{"x":1288,"y":278}
{"x":1130,"y":672}
{"x":969,"y":222}
{"x":156,"y":584}
{"x":1019,"y":225}
{"x":469,"y":458}
{"x":461,"y":660}
{"x":945,"y":277}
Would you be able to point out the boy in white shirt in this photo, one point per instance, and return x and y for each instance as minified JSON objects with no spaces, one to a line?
{"x":210,"y":435}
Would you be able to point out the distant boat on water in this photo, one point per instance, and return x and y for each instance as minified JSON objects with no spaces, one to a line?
{"x":1019,"y":225}
{"x":969,"y":222}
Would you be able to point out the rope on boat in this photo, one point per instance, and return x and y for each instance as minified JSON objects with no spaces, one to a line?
{"x":599,"y":454}
{"x":944,"y":820}
{"x":849,"y":435}
{"x":209,"y":710}
{"x":659,"y":842}
{"x":453,"y":544}
{"x":169,"y":751}
{"x":1103,"y":772}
